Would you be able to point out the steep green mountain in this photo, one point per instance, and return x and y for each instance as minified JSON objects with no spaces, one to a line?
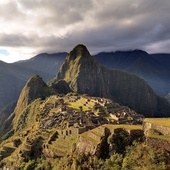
{"x":12,"y":80}
{"x":14,"y":76}
{"x":35,"y":88}
{"x":85,"y":75}
{"x":152,"y":68}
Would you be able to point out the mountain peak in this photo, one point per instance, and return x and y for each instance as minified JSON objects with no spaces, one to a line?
{"x":83,"y":74}
{"x":79,"y":51}
{"x":35,"y":79}
{"x":80,"y":48}
{"x":34,"y":88}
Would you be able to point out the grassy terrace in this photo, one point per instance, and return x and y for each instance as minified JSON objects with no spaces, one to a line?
{"x":159,"y":121}
{"x":63,"y":145}
{"x":163,"y":137}
{"x":82,"y":102}
{"x":128,"y":127}
{"x":97,"y":133}
{"x":88,"y":137}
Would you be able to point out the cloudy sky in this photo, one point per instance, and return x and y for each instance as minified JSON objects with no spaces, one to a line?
{"x":29,"y":27}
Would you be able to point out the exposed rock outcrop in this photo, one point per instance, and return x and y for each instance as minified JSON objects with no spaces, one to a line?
{"x":157,"y":132}
{"x":105,"y":140}
{"x":84,"y":75}
{"x":62,"y":86}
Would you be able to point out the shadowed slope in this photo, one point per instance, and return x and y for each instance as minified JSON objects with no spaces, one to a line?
{"x":85,"y":75}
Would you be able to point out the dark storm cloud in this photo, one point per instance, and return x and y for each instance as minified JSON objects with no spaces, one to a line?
{"x":15,"y":40}
{"x":51,"y":26}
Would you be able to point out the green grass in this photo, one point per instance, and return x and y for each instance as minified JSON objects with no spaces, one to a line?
{"x":80,"y":103}
{"x":96,"y":133}
{"x":87,"y":134}
{"x":158,"y":121}
{"x":90,"y":139}
{"x":163,"y":137}
{"x":125,"y":126}
{"x":64,"y":144}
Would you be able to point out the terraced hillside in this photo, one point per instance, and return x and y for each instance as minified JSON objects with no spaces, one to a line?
{"x":157,"y":132}
{"x":82,"y":104}
{"x":101,"y":140}
{"x":51,"y":127}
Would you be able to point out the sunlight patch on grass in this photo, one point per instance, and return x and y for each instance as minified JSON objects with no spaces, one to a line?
{"x":158,"y":121}
{"x":81,"y":103}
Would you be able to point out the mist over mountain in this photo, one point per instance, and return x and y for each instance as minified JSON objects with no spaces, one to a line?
{"x":153,"y":68}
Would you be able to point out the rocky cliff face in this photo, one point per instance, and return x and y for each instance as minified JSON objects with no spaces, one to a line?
{"x":86,"y":76}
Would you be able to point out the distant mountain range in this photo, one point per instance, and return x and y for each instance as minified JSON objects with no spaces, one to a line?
{"x":14,"y":76}
{"x":153,"y":68}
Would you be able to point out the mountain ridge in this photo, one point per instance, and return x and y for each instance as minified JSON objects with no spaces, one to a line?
{"x":142,"y":64}
{"x":84,"y":75}
{"x":46,"y":125}
{"x":14,"y":76}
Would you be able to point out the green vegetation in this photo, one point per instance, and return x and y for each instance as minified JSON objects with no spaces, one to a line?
{"x":125,"y":126}
{"x":63,"y":144}
{"x":137,"y":157}
{"x":143,"y":157}
{"x":155,"y":134}
{"x":159,"y":121}
{"x":81,"y":104}
{"x":163,"y":137}
{"x":93,"y":136}
{"x":28,"y":117}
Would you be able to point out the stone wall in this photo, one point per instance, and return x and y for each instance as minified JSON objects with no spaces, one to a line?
{"x":163,"y":129}
{"x":158,"y":143}
{"x":73,"y":131}
{"x":86,"y":148}
{"x":96,"y":141}
{"x":146,"y":127}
